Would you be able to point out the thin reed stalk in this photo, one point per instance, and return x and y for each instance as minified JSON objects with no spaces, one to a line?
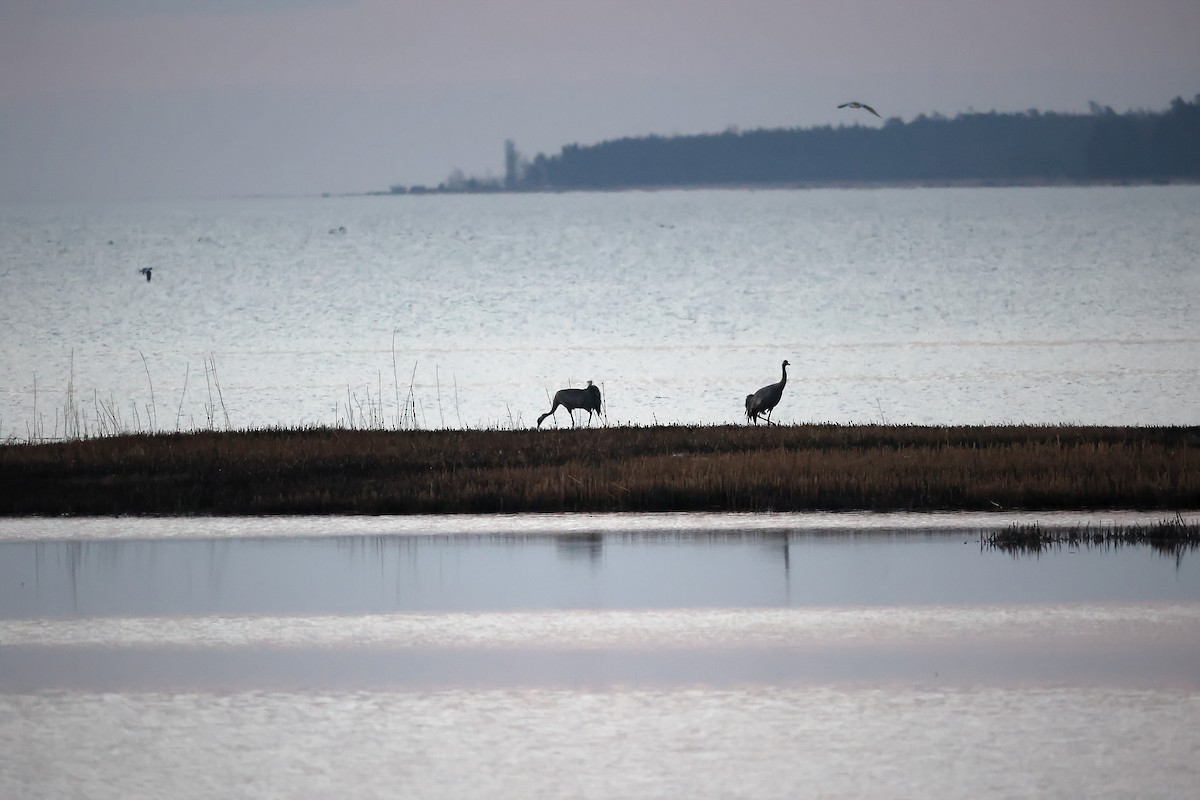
{"x":410,"y":404}
{"x":457,"y":410}
{"x":211,"y":380}
{"x":437,"y":377}
{"x":179,"y":412}
{"x":220,"y":395}
{"x":152,"y":417}
{"x":395,"y":380}
{"x":209,"y":407}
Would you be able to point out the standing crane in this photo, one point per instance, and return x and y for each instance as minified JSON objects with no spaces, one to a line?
{"x":765,"y":399}
{"x":588,"y":399}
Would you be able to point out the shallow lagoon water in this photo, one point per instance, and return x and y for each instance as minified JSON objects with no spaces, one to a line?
{"x":595,"y":561}
{"x":592,"y":656}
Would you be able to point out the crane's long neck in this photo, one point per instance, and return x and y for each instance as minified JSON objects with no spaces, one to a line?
{"x":784,"y":381}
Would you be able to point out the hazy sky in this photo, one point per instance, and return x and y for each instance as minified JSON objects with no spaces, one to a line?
{"x":171,"y":98}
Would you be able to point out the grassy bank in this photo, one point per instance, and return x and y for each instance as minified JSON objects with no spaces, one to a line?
{"x":727,"y":468}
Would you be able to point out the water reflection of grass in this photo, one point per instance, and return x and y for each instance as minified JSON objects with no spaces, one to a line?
{"x":701,"y":468}
{"x":1171,"y":536}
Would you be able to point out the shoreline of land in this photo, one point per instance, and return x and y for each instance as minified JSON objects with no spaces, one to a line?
{"x":798,"y":185}
{"x":331,"y":471}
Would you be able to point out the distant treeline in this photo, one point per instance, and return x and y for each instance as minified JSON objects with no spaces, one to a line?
{"x":1025,"y":147}
{"x":1013,"y":147}
{"x":989,"y":147}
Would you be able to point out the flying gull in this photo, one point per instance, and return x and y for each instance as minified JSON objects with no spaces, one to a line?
{"x":864,"y":106}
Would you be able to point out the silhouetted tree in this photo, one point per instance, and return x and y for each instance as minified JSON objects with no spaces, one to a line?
{"x":512,"y":161}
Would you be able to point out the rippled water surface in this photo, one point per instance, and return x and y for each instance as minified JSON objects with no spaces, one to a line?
{"x":1052,"y":305}
{"x":752,"y":742}
{"x":593,"y":656}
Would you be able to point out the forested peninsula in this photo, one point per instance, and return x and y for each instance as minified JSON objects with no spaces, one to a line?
{"x":1102,"y":146}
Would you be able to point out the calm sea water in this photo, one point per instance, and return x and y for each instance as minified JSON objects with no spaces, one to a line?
{"x":601,"y":656}
{"x":1047,"y":305}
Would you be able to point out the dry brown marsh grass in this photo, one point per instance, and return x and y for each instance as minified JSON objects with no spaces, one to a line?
{"x":728,"y":468}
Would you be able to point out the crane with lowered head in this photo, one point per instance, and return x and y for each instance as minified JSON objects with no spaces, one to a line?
{"x":588,"y":399}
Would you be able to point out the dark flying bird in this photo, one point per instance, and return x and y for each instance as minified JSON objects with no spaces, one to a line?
{"x":146,"y":271}
{"x":864,"y":106}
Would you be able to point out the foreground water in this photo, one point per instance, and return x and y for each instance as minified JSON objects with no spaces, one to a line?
{"x":592,"y":656}
{"x":927,"y":306}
